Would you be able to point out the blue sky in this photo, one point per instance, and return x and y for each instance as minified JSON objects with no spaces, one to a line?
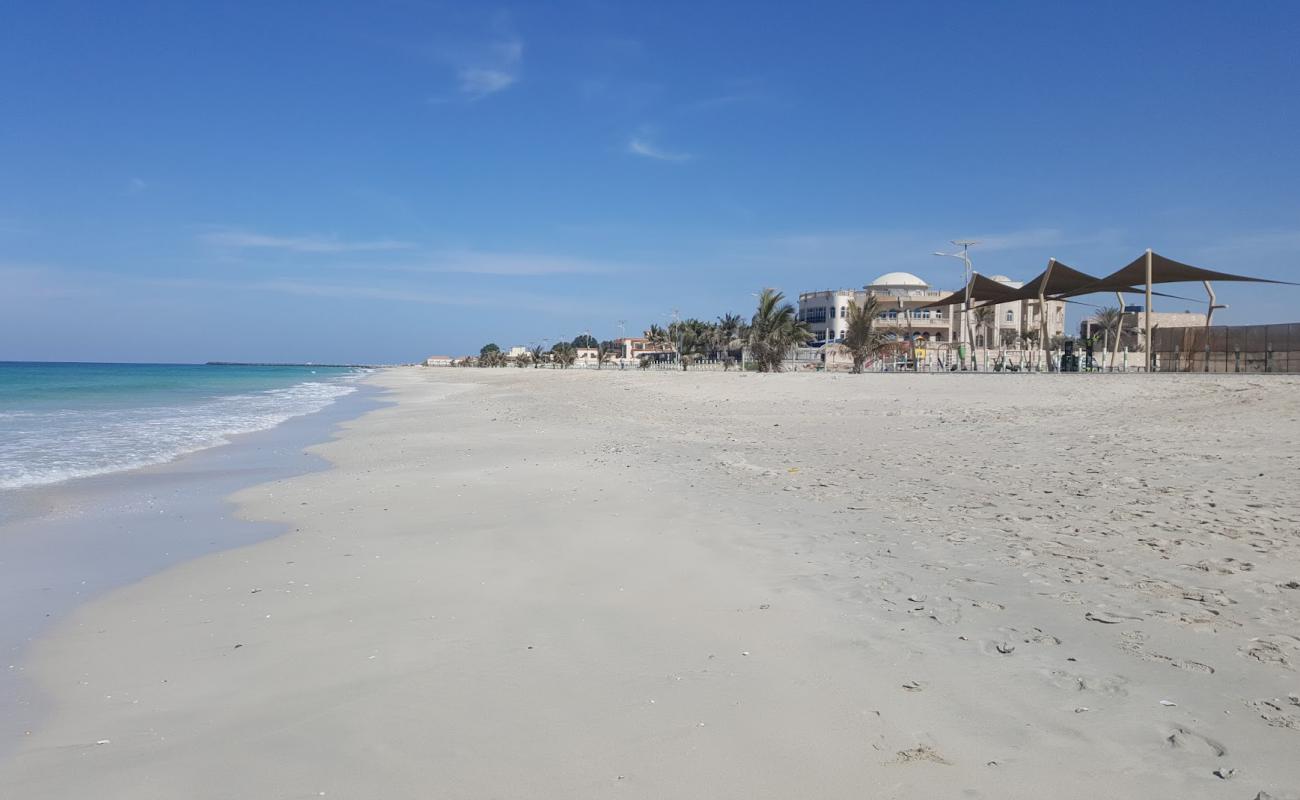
{"x":383,"y":181}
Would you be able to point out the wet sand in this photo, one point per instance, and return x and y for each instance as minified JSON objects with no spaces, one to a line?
{"x":580,"y":584}
{"x":66,"y":544}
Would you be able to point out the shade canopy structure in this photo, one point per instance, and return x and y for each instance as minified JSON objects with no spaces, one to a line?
{"x":1058,"y":282}
{"x":1163,"y":270}
{"x":980,"y":288}
{"x":1055,"y":279}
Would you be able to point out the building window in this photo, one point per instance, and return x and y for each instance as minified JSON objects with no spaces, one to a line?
{"x":843,"y":312}
{"x":1011,"y":315}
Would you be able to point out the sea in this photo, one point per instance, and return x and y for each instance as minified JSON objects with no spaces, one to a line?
{"x":60,"y":421}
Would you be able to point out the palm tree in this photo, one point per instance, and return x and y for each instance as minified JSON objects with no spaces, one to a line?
{"x":730,"y":329}
{"x":1111,"y":320}
{"x":1009,"y":336}
{"x":774,"y":329}
{"x":694,"y":337}
{"x":492,"y":358}
{"x":658,"y":337}
{"x":862,"y":338}
{"x":984,"y":316}
{"x":605,"y":352}
{"x":538,"y":350}
{"x":564,"y":354}
{"x":522,"y":360}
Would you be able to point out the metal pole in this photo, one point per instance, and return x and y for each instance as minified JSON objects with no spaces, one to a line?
{"x":1042,"y":309}
{"x":1149,"y":344}
{"x":965,"y":314}
{"x":1119,"y":334}
{"x":965,"y":306}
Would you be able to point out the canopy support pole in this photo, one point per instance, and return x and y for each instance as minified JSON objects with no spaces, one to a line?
{"x":1149,"y":344}
{"x":1119,"y":333}
{"x":1042,"y":310}
{"x":1214,"y":305}
{"x":965,"y":318}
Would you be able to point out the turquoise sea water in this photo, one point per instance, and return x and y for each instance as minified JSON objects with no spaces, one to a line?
{"x":63,"y":420}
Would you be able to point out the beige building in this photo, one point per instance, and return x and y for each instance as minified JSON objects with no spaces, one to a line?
{"x":1134,"y":325}
{"x":439,"y":361}
{"x":901,"y":296}
{"x":632,"y":348}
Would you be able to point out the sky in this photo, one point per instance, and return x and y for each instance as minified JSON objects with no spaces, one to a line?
{"x":382,"y":181}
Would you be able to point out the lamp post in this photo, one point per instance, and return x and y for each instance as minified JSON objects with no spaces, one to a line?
{"x":677,"y":339}
{"x":964,"y":255}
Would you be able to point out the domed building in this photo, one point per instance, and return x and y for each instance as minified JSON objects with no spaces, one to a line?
{"x":897,"y":281}
{"x":898,"y":293}
{"x":901,"y":296}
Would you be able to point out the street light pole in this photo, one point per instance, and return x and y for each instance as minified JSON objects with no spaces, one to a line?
{"x":677,"y":343}
{"x":964,"y":255}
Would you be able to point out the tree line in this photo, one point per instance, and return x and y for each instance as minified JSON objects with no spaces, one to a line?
{"x":769,"y":335}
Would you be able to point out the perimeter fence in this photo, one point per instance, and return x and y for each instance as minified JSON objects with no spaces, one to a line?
{"x":1228,"y":348}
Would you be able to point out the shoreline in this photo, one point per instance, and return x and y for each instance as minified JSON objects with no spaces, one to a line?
{"x":561,"y":584}
{"x":62,"y":543}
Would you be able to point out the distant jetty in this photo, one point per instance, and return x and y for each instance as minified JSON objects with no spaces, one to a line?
{"x":280,"y":364}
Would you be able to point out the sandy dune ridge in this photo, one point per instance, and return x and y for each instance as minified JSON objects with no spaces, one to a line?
{"x":526,"y":583}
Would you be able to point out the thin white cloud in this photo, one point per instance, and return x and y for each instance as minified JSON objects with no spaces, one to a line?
{"x":397,"y":293}
{"x":479,"y":262}
{"x":25,"y":283}
{"x":484,"y":69}
{"x":136,"y":186}
{"x":480,"y":82}
{"x":640,"y":146}
{"x":239,"y":239}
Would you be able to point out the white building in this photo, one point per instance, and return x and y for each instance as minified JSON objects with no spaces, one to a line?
{"x":901,"y":295}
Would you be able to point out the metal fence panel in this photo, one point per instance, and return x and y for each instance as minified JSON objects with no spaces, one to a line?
{"x":1228,"y":348}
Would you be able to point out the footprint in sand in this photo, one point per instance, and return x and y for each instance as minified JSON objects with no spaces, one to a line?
{"x":1279,"y":713}
{"x":1271,"y":649}
{"x":1185,"y":739}
{"x":1132,"y":643}
{"x":1112,"y":686}
{"x":922,"y":752}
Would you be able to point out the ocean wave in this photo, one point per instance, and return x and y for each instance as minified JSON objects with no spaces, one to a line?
{"x":43,"y":447}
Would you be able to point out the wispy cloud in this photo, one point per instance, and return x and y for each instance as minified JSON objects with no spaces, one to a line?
{"x":25,"y":283}
{"x":485,"y":68}
{"x":721,"y":101}
{"x":481,"y":81}
{"x":136,"y":186}
{"x":642,"y":146}
{"x":395,"y":293}
{"x":480,"y":262}
{"x":240,"y":239}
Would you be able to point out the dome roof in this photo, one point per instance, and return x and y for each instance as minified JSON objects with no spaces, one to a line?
{"x":899,"y":279}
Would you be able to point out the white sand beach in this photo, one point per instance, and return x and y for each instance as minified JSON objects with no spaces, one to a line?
{"x":580,"y":584}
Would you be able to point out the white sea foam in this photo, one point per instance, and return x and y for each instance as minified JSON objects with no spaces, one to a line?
{"x":44,"y":447}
